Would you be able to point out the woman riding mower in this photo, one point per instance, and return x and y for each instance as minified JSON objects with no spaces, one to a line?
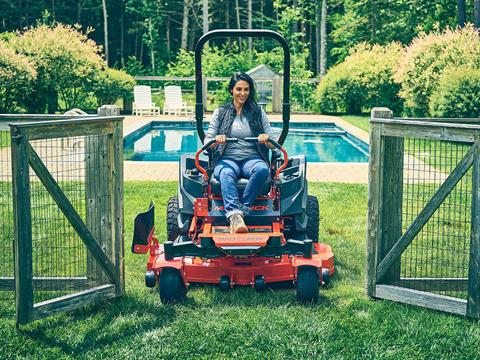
{"x":240,"y":119}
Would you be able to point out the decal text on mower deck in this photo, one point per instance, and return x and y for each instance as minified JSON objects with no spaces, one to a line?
{"x":243,"y":238}
{"x":254,"y":208}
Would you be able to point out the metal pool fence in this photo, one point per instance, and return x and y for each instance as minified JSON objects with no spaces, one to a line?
{"x":61,"y":215}
{"x":423,"y":244}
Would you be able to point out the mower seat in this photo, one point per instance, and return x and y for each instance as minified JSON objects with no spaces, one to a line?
{"x":241,"y":184}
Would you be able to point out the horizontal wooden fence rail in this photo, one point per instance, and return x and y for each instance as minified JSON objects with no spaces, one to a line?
{"x":423,"y":235}
{"x":276,"y":86}
{"x":64,"y":186}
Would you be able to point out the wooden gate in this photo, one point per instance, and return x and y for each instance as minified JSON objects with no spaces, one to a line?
{"x":423,"y":237}
{"x":67,"y":178}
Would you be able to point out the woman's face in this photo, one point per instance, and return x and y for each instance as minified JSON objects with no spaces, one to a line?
{"x":240,"y":92}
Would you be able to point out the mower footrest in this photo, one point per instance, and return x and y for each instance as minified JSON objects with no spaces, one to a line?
{"x":291,"y":247}
{"x":188,"y":248}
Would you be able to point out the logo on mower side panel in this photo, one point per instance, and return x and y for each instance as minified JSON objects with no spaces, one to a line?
{"x":253,"y":208}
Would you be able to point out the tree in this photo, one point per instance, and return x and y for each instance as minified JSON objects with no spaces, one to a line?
{"x":476,"y":14}
{"x":105,"y":28}
{"x":461,"y":13}
{"x":250,"y":40}
{"x":186,"y":10}
{"x":205,"y":15}
{"x":323,"y":39}
{"x":239,"y":25}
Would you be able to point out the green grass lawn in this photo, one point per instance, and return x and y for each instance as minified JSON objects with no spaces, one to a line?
{"x":4,"y":139}
{"x":210,"y":324}
{"x":360,"y":121}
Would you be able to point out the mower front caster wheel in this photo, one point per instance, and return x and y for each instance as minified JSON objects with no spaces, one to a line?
{"x":307,"y":284}
{"x":325,"y":277}
{"x":224,"y":283}
{"x":259,"y":283}
{"x":150,"y":279}
{"x":170,"y":286}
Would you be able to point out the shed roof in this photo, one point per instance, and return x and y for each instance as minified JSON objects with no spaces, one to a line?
{"x":261,"y":72}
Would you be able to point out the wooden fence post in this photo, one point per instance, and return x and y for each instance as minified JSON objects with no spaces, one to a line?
{"x":277,"y":94}
{"x":375,"y":181}
{"x":392,"y":198}
{"x":23,"y":226}
{"x":108,"y":110}
{"x":473,"y":305}
{"x":117,"y":210}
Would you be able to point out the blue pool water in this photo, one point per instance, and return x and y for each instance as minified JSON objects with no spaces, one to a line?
{"x":161,"y":141}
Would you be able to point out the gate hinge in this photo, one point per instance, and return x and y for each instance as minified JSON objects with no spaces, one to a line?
{"x":16,"y":136}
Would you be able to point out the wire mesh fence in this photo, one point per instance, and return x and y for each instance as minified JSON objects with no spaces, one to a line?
{"x":61,"y":263}
{"x":437,"y":259}
{"x":6,"y":215}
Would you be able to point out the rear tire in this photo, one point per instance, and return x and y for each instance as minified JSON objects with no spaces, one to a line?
{"x":313,"y":222}
{"x":173,"y":230}
{"x":307,"y":284}
{"x":170,"y":286}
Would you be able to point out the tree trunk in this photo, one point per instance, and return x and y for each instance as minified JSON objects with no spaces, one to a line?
{"x":205,"y":15}
{"x":295,"y":24}
{"x":227,"y":15}
{"x":311,"y":49}
{"x":79,"y":11}
{"x":318,"y":13}
{"x":152,"y":52}
{"x":373,"y":21}
{"x":122,"y":34}
{"x":167,"y":36}
{"x":250,"y":40}
{"x":53,"y":9}
{"x":186,"y":5}
{"x":105,"y":28}
{"x":476,"y":14}
{"x":262,"y":6}
{"x":461,"y":13}
{"x":323,"y":40}
{"x":239,"y":26}
{"x":192,"y":32}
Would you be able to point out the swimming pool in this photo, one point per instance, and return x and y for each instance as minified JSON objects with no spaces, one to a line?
{"x":320,"y":142}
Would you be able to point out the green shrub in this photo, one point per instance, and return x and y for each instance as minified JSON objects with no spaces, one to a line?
{"x":111,"y":85}
{"x":364,"y":80}
{"x":66,"y":62}
{"x":457,"y":94}
{"x":428,"y":57}
{"x":17,"y":75}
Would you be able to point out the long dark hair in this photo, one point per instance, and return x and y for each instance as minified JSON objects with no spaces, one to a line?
{"x":250,"y":105}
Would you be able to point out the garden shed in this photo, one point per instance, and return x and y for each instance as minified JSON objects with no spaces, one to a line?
{"x":263,"y":77}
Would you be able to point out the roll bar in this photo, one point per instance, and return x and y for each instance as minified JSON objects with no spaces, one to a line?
{"x":242,"y":33}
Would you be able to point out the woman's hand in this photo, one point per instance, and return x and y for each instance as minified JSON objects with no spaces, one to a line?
{"x":220,"y":139}
{"x":263,"y":139}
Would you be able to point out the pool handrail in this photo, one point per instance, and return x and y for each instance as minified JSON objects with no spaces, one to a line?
{"x":242,"y":33}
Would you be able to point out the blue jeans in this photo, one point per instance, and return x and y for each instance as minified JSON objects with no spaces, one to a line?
{"x":227,"y":171}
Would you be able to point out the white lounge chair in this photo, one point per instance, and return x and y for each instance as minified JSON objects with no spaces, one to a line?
{"x":142,"y":101}
{"x":174,"y":103}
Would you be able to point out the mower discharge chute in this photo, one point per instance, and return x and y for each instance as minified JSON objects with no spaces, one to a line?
{"x":282,"y":239}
